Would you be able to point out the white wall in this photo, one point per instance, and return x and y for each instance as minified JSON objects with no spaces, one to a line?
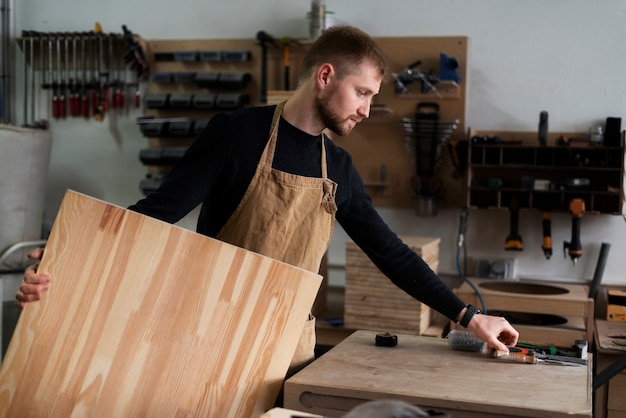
{"x":564,"y":56}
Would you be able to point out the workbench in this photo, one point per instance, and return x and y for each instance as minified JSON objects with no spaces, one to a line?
{"x":424,"y":371}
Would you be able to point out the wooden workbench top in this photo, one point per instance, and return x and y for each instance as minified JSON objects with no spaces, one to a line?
{"x":426,"y":372}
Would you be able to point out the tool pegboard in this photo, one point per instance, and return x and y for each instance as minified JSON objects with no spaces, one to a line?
{"x":383,"y":145}
{"x":186,"y":85}
{"x":192,"y":80}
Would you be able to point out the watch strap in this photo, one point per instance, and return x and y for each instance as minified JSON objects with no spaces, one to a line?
{"x":469,"y":314}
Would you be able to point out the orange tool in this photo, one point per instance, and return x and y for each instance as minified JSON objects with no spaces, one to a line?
{"x":574,"y":247}
{"x":514,"y":239}
{"x":546,"y":245}
{"x":516,"y":354}
{"x":529,"y":356}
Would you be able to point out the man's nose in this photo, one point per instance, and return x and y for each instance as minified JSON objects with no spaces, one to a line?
{"x":364,"y":110}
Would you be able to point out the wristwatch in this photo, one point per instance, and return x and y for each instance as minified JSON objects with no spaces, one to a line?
{"x":469,"y":314}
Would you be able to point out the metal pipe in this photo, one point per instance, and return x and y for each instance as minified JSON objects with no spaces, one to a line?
{"x":8,"y":50}
{"x":599,"y":271}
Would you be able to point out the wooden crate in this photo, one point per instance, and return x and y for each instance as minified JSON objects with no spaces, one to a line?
{"x":373,"y":302}
{"x":569,"y":301}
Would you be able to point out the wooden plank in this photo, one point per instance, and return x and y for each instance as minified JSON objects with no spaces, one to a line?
{"x":373,"y":302}
{"x":424,"y":371}
{"x":144,"y":318}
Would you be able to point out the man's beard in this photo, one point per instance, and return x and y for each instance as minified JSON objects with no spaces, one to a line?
{"x":330,"y":119}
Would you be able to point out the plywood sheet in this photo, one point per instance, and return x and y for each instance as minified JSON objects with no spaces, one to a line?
{"x":144,"y":318}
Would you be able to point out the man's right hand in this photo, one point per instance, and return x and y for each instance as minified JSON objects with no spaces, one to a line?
{"x":34,"y":284}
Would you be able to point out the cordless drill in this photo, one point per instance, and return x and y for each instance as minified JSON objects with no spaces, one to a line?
{"x":574,"y":247}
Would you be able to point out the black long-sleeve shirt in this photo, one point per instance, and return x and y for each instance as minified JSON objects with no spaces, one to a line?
{"x":219,"y":165}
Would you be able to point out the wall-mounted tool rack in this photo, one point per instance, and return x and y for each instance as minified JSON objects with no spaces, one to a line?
{"x":381,"y":145}
{"x":75,"y":74}
{"x":184,"y":90}
{"x":191,"y":80}
{"x":543,"y":177}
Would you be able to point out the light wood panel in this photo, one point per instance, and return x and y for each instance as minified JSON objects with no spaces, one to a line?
{"x":148,"y":319}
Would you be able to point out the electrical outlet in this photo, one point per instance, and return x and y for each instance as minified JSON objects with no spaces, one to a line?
{"x":493,"y":268}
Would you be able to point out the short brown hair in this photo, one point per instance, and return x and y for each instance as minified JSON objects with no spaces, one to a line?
{"x":346,"y":48}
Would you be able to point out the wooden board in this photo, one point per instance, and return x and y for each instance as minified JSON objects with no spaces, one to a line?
{"x":424,"y":371}
{"x":144,"y":318}
{"x":373,"y":302}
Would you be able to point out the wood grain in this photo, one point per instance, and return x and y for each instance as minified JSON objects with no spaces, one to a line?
{"x":424,"y":371}
{"x":373,"y":302}
{"x":144,"y":318}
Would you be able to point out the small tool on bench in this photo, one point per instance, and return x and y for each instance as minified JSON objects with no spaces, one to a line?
{"x":529,"y":356}
{"x":386,"y":339}
{"x":467,"y":341}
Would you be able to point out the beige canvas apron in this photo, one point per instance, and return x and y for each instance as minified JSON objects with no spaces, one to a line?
{"x":286,"y":217}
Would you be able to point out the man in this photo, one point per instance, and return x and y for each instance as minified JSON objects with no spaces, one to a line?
{"x":270,"y":181}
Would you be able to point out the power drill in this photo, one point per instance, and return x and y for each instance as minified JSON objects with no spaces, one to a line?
{"x":574,"y":247}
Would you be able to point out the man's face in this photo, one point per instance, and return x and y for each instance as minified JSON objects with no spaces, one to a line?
{"x":346,"y":102}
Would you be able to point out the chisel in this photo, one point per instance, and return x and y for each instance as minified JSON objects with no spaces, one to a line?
{"x":546,"y":245}
{"x":526,"y":356}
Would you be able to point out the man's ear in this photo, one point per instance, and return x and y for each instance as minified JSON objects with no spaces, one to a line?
{"x":324,"y":74}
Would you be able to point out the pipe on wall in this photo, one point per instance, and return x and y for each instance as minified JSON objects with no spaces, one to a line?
{"x":7,"y":54}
